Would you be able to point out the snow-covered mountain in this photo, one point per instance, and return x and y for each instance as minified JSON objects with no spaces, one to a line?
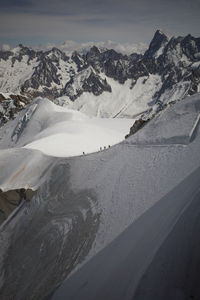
{"x":104,"y":82}
{"x":81,"y":204}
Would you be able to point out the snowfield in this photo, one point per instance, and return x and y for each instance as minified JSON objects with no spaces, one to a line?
{"x":80,"y":136}
{"x":62,"y":132}
{"x":149,"y":182}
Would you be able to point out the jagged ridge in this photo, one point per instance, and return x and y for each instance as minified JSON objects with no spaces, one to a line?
{"x":175,"y":61}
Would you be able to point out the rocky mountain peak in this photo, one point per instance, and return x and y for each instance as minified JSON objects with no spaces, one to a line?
{"x":160,"y":35}
{"x":24,"y":50}
{"x":55,"y":54}
{"x":78,"y":59}
{"x":159,"y":40}
{"x":111,"y":54}
{"x":93,"y":54}
{"x":21,"y":46}
{"x":190,"y":46}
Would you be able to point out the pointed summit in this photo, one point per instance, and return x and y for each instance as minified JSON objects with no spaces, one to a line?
{"x":160,"y":32}
{"x":159,"y":41}
{"x":93,"y":54}
{"x":160,"y":35}
{"x":94,"y":50}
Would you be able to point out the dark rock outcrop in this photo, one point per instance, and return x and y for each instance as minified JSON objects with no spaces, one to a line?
{"x":159,"y":40}
{"x":11,"y":105}
{"x":87,"y":81}
{"x":138,"y":124}
{"x":11,"y":199}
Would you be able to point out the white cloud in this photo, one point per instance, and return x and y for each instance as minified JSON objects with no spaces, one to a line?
{"x":125,"y":48}
{"x":5,"y":47}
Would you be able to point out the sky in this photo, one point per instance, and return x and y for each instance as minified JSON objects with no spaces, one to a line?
{"x":37,"y":22}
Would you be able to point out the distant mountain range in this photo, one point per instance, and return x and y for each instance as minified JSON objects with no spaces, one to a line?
{"x":102,"y":82}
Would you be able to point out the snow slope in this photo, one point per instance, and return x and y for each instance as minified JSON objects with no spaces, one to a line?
{"x":151,"y":259}
{"x":83,"y":203}
{"x":62,"y":132}
{"x":22,"y":168}
{"x":175,"y":125}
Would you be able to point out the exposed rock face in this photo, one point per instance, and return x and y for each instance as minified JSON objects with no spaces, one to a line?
{"x":95,"y":85}
{"x":53,"y":74}
{"x":5,"y":54}
{"x":159,"y":41}
{"x":138,"y":124}
{"x":45,"y":74}
{"x":11,"y":199}
{"x":10,"y":105}
{"x":86,"y":81}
